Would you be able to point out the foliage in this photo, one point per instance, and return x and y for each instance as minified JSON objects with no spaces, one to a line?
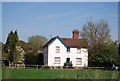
{"x":1,"y":46}
{"x":46,"y":67}
{"x":37,"y":42}
{"x":32,"y":59}
{"x":13,"y":48}
{"x":102,"y":52}
{"x":26,"y":46}
{"x":65,"y":64}
{"x":106,"y":56}
{"x":33,"y":49}
{"x":20,"y":62}
{"x":12,"y":40}
{"x":96,"y":33}
{"x":71,"y":63}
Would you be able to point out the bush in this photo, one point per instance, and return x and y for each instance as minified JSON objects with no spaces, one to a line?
{"x":65,"y":64}
{"x":21,"y":65}
{"x":32,"y":58}
{"x":71,"y":63}
{"x":20,"y":62}
{"x":46,"y":67}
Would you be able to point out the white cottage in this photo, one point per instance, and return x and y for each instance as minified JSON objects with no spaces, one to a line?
{"x":58,"y":51}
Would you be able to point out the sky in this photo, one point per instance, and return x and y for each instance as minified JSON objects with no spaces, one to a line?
{"x":55,"y":18}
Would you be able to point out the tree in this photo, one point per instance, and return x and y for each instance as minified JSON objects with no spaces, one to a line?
{"x":96,"y":33}
{"x":13,"y":48}
{"x":1,"y":46}
{"x":26,"y":46}
{"x":33,"y":59}
{"x":98,"y":37}
{"x":37,"y":42}
{"x":33,"y":49}
{"x":106,"y":55}
{"x":9,"y":42}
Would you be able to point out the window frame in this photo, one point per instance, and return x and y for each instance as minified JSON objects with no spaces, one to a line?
{"x":57,"y":61}
{"x":79,"y":62}
{"x":57,"y":49}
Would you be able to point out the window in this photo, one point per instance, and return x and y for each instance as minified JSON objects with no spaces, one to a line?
{"x":85,"y":51}
{"x":57,"y":60}
{"x":78,"y":61}
{"x":57,"y":49}
{"x":68,"y":49}
{"x":78,"y":51}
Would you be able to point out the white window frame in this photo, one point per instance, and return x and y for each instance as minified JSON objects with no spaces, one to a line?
{"x":57,"y":49}
{"x":78,"y":61}
{"x":56,"y":60}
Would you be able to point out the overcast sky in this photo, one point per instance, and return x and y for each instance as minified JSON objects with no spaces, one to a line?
{"x":55,"y":18}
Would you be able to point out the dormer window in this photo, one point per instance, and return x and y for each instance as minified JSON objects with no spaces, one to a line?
{"x":68,"y":49}
{"x":57,"y":49}
{"x":78,"y":51}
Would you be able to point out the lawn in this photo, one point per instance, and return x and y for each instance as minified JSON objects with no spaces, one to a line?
{"x":58,"y":74}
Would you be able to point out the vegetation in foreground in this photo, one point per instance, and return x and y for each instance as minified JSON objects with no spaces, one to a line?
{"x":58,"y":74}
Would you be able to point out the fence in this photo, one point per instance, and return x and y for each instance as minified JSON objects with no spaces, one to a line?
{"x":65,"y":67}
{"x":79,"y":68}
{"x":34,"y":66}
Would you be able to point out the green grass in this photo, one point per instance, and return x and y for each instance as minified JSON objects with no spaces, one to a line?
{"x":58,"y":74}
{"x":0,"y":74}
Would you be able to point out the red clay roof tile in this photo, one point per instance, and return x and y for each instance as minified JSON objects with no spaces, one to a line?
{"x":71,"y":42}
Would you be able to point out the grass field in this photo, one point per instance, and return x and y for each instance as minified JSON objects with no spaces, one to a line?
{"x":0,"y":74}
{"x":58,"y":74}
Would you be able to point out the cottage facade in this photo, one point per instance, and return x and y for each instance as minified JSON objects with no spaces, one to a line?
{"x":58,"y":51}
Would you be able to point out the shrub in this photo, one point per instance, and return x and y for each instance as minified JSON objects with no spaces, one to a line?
{"x":65,"y":64}
{"x":71,"y":63}
{"x":46,"y":67}
{"x":20,"y":62}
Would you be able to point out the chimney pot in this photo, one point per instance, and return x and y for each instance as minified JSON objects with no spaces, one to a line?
{"x":75,"y":34}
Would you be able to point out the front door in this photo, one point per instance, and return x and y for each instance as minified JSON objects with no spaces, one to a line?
{"x":68,"y":61}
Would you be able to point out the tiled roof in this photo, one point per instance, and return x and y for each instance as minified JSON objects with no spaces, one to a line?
{"x":70,"y":42}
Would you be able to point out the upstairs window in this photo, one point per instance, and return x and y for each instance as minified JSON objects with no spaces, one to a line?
{"x":57,"y":49}
{"x":78,"y":51}
{"x":68,"y":49}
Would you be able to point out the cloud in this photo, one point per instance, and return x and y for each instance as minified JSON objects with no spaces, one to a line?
{"x":57,"y":15}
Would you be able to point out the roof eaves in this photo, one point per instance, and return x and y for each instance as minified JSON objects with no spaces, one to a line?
{"x":53,"y":39}
{"x":62,"y":41}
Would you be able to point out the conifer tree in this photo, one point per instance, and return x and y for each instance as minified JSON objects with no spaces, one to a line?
{"x":13,"y":48}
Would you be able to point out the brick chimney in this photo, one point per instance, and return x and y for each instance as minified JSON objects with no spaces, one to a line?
{"x":75,"y":34}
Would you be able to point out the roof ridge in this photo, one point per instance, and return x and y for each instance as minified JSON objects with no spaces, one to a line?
{"x":71,"y":42}
{"x":73,"y":38}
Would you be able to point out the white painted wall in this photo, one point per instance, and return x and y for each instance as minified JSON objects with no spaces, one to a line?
{"x":50,"y":54}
